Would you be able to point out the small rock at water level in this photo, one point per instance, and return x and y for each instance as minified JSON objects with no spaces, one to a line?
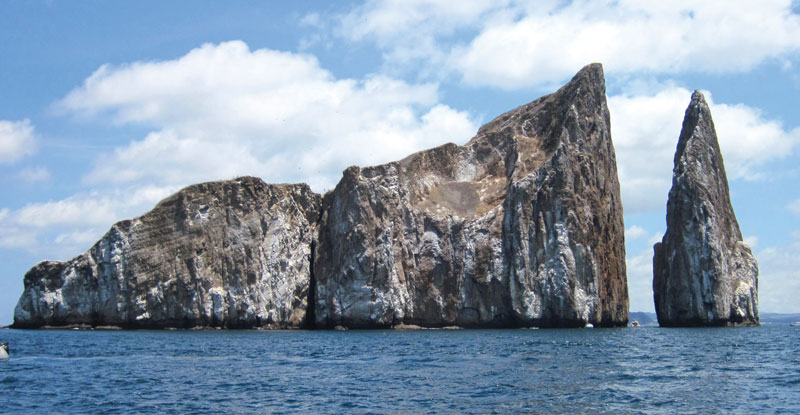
{"x":703,"y":272}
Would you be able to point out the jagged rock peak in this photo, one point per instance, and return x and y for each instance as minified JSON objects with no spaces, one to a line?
{"x":703,"y":272}
{"x":233,"y":253}
{"x":521,"y":226}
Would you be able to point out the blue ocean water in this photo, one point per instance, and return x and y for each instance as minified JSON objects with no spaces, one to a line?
{"x":597,"y":371}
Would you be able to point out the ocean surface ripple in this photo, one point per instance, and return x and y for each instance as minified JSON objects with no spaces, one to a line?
{"x":598,"y":371}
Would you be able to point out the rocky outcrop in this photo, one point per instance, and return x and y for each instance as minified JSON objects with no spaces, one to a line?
{"x":522,"y":226}
{"x":703,"y":272}
{"x":223,"y":254}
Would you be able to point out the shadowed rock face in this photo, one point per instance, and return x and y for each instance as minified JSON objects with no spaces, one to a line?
{"x":522,"y":226}
{"x":703,"y":273}
{"x":223,"y":254}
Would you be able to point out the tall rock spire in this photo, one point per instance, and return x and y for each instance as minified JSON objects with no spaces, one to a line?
{"x":703,"y":273}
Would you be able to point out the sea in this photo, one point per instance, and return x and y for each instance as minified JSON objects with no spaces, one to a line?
{"x":642,"y":370}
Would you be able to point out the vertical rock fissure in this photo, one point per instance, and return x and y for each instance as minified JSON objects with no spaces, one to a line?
{"x":311,"y":301}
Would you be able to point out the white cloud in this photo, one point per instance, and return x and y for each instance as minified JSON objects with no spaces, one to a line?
{"x":390,"y":20}
{"x":70,"y":211}
{"x":794,"y":207}
{"x":80,"y":238}
{"x":14,"y":237}
{"x":635,"y":232}
{"x":646,"y":127}
{"x":640,"y":280}
{"x":34,"y":174}
{"x":64,"y":228}
{"x":658,"y":237}
{"x":779,"y":278}
{"x":748,"y":140}
{"x":519,"y":43}
{"x":409,"y":31}
{"x":16,"y":140}
{"x":223,"y":110}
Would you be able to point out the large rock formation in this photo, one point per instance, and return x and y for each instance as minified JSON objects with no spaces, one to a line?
{"x":703,"y":273}
{"x":226,"y":254}
{"x":522,"y":226}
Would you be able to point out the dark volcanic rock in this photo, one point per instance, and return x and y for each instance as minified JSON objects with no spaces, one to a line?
{"x":703,"y":273}
{"x":232,"y":253}
{"x":522,"y":226}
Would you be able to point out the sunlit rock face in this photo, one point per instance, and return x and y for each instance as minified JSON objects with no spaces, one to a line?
{"x":230,"y":254}
{"x":521,"y":226}
{"x":703,"y":272}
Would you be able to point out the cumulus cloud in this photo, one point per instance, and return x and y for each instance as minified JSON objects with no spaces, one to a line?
{"x":70,"y":211}
{"x":779,"y":279}
{"x":646,"y":127}
{"x":66,"y":227}
{"x":223,"y":110}
{"x":640,"y":280}
{"x":387,"y":21}
{"x":748,"y":140}
{"x":634,"y":233}
{"x":415,"y":30}
{"x":34,"y":174}
{"x":16,"y":140}
{"x":794,"y":207}
{"x":518,"y":43}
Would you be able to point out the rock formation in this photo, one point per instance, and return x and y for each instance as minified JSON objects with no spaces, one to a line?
{"x":703,"y":273}
{"x":226,"y":254}
{"x":522,"y":226}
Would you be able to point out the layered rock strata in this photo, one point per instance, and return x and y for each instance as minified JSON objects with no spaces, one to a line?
{"x":230,"y":254}
{"x":522,"y":226}
{"x":703,"y":272}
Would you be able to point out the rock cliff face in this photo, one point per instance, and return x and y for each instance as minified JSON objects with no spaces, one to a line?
{"x":224,"y":254}
{"x":522,"y":226}
{"x":703,"y":273}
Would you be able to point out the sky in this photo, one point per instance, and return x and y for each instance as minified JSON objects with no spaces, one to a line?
{"x":108,"y":107}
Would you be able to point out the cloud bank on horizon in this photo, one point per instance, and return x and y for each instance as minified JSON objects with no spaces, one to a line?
{"x":223,"y":110}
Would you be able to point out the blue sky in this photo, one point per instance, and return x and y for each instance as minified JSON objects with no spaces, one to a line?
{"x":108,"y":107}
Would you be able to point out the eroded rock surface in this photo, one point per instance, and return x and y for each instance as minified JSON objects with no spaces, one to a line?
{"x":522,"y":226}
{"x":222,"y":254}
{"x":703,"y":272}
